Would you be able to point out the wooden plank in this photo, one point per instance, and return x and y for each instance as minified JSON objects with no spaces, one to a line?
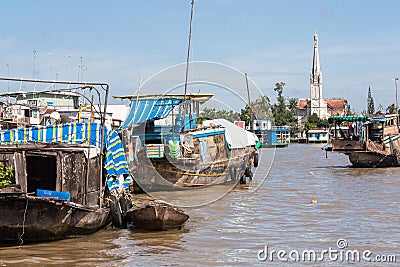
{"x":72,"y":176}
{"x":20,"y":170}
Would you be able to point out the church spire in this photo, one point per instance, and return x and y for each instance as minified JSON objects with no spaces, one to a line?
{"x":316,"y":75}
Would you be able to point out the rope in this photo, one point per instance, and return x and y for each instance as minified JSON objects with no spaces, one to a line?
{"x":23,"y":224}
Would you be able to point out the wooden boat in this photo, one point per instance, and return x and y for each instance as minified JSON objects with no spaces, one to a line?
{"x":157,"y":216}
{"x":57,"y":176}
{"x":51,"y":202}
{"x":369,"y":141}
{"x":176,"y":153}
{"x":26,"y":218}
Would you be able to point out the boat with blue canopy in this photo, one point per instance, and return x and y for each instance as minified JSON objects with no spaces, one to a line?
{"x":167,"y":149}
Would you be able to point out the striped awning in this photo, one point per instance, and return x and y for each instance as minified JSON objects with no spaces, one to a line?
{"x":146,"y":109}
{"x":73,"y":133}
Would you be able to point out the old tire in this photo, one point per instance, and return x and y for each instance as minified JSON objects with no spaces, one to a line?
{"x":125,"y":204}
{"x":115,"y":210}
{"x":255,"y":160}
{"x":242,"y":179}
{"x":247,"y":171}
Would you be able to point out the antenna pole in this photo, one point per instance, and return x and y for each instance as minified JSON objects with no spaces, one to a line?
{"x":188,"y":50}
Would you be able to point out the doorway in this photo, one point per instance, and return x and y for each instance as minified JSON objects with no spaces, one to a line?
{"x":41,"y":172}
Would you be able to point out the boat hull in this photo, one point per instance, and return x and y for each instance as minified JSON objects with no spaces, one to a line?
{"x":364,"y":159}
{"x":26,"y":219}
{"x":172,"y":174}
{"x":157,"y":216}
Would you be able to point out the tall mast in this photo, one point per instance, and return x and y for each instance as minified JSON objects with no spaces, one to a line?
{"x":248,"y":100}
{"x":188,"y":50}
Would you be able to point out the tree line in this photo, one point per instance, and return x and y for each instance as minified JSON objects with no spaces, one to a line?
{"x":391,"y":109}
{"x":284,"y":111}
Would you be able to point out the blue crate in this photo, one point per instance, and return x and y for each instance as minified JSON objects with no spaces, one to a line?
{"x":53,"y":194}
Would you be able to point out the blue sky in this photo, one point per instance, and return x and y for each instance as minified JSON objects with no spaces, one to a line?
{"x":272,"y":41}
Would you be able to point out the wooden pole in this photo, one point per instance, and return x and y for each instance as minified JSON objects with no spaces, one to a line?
{"x":248,"y":99}
{"x":188,"y":50}
{"x":103,"y":121}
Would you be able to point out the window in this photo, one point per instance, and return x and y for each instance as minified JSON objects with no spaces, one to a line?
{"x":32,"y":102}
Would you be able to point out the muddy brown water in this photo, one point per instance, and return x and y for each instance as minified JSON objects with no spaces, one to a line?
{"x":360,"y":206}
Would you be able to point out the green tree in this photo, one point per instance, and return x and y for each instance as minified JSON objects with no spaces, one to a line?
{"x":348,"y":111}
{"x":380,"y":107}
{"x":314,"y":121}
{"x":246,"y":114}
{"x":6,"y":175}
{"x":212,"y":113}
{"x":260,"y":108}
{"x":391,"y":109}
{"x":293,"y":106}
{"x":370,"y":102}
{"x":283,"y":115}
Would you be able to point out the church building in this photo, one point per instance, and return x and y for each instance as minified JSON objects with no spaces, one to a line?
{"x":324,"y":108}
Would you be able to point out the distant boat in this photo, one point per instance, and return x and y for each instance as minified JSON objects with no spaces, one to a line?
{"x":318,"y":136}
{"x":369,"y":141}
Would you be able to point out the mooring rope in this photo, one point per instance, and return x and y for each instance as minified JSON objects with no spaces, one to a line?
{"x":23,"y":224}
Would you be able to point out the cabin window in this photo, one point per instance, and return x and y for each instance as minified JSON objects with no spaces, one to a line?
{"x":32,"y":102}
{"x":41,"y":172}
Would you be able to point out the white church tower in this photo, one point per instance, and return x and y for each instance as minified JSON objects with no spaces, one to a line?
{"x":318,"y":104}
{"x":324,"y":108}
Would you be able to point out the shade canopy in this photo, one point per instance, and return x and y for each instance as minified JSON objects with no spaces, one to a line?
{"x":146,"y":109}
{"x":153,"y":107}
{"x":347,"y":118}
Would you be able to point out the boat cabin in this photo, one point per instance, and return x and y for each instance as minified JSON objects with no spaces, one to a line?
{"x":55,"y":167}
{"x":318,"y":136}
{"x":361,"y":132}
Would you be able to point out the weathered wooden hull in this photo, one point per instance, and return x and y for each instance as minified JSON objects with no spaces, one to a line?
{"x":363,"y":159}
{"x":157,"y":216}
{"x":26,"y":219}
{"x":168,"y":173}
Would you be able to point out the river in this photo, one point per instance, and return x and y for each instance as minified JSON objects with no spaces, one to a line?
{"x":307,"y":202}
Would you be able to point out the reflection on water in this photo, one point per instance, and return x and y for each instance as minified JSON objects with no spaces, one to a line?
{"x":359,"y":205}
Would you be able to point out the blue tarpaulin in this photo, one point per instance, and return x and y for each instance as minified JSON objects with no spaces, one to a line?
{"x":74,"y":133}
{"x":146,"y":109}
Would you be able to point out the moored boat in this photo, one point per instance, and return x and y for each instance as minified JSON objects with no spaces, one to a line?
{"x":172,"y":152}
{"x":369,"y":141}
{"x":53,"y":183}
{"x":157,"y":216}
{"x":26,"y":218}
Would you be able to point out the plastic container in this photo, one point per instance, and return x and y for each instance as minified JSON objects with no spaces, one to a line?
{"x":53,"y":194}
